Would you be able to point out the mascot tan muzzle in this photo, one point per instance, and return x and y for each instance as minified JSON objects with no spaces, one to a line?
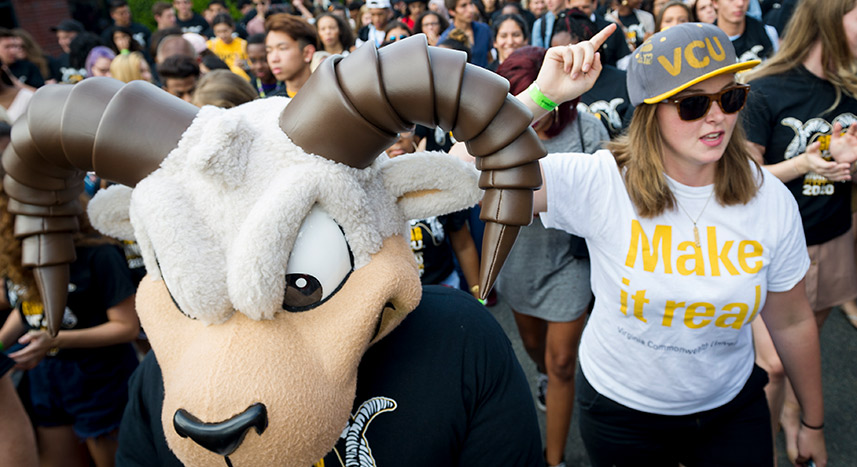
{"x":272,"y":233}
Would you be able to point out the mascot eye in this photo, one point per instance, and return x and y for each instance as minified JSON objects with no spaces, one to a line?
{"x":319,"y":264}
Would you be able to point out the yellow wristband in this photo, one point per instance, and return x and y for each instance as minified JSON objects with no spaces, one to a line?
{"x":536,"y":95}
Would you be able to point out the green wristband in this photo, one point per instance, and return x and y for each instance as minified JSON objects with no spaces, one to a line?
{"x":539,"y":98}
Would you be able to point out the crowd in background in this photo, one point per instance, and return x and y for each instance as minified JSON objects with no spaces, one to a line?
{"x":235,"y":51}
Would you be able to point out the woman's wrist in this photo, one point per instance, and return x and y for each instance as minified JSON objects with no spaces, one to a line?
{"x":53,"y":341}
{"x":799,"y":165}
{"x":810,"y":426}
{"x":535,"y":93}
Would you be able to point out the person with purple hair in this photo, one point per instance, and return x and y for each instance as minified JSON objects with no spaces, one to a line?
{"x":98,"y":61}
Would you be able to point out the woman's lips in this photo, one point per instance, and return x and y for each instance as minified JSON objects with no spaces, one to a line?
{"x":712,"y":139}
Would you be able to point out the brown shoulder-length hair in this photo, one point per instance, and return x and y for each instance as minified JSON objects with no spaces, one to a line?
{"x":10,"y":252}
{"x":817,"y":20}
{"x":639,"y":152}
{"x":10,"y":247}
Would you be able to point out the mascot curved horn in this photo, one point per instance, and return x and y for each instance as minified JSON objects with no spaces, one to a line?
{"x":122,"y":132}
{"x":377,"y":93}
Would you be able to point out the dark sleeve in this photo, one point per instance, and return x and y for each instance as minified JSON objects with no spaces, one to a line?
{"x":34,"y":76}
{"x":110,"y":270}
{"x":621,"y":46}
{"x":422,"y":131}
{"x":628,"y":115}
{"x":107,"y":35}
{"x":6,"y":364}
{"x":455,"y":221}
{"x":147,"y":33}
{"x":615,"y":45}
{"x":757,"y":116}
{"x":55,"y":67}
{"x":502,"y":426}
{"x":141,"y":435}
{"x":241,"y":30}
{"x":618,"y":45}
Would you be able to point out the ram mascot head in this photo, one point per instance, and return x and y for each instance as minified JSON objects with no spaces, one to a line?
{"x":272,"y":233}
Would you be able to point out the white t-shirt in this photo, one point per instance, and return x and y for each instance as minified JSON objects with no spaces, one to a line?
{"x":669,"y":333}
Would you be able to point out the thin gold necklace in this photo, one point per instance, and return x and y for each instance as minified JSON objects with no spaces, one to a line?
{"x":695,"y":229}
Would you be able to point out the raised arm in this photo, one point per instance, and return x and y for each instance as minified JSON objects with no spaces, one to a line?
{"x":567,"y":72}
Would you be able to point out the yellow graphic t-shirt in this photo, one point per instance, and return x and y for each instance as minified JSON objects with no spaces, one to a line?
{"x":233,"y":53}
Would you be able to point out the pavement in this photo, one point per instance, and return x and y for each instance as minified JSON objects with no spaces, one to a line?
{"x":839,"y":374}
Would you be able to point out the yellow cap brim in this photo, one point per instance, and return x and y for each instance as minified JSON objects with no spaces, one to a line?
{"x":735,"y":68}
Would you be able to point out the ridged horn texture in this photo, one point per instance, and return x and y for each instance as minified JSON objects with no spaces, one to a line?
{"x":352,"y":109}
{"x":121,"y":131}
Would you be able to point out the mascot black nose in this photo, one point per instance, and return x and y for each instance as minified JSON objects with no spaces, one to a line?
{"x":222,"y":437}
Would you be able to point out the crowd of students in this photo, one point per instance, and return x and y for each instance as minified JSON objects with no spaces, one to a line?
{"x":799,"y":122}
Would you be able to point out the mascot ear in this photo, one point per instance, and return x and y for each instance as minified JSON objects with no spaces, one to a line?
{"x":420,"y":193}
{"x":108,"y":212}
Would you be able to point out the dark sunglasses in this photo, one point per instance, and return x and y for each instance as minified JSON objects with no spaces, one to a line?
{"x":696,"y":106}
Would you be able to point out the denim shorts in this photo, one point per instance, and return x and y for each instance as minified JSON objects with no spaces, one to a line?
{"x":89,"y":394}
{"x":737,"y":433}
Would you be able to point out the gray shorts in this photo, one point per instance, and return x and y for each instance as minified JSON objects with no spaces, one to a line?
{"x":542,"y":278}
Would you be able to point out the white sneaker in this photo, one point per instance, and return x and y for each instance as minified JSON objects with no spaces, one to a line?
{"x":541,"y":391}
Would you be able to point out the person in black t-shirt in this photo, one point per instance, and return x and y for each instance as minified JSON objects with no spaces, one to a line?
{"x":801,"y":120}
{"x":187,"y":19}
{"x":78,"y":378}
{"x":615,"y":46}
{"x":66,"y":31}
{"x":120,"y":12}
{"x":750,"y":37}
{"x":637,"y":24}
{"x":27,"y":73}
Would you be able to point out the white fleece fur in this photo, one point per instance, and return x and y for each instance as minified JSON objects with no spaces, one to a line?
{"x":218,"y":220}
{"x":108,"y":212}
{"x":456,"y":183}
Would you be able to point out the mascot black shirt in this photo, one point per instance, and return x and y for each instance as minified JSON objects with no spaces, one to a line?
{"x":443,"y":389}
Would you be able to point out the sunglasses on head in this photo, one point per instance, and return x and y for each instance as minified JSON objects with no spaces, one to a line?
{"x":695,"y":106}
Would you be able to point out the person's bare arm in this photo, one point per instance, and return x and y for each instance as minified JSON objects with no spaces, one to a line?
{"x":17,"y":441}
{"x":567,"y":72}
{"x":793,"y":329}
{"x":468,"y":258}
{"x":4,"y":303}
{"x":304,"y":11}
{"x":12,"y":329}
{"x":800,"y":165}
{"x":122,"y":326}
